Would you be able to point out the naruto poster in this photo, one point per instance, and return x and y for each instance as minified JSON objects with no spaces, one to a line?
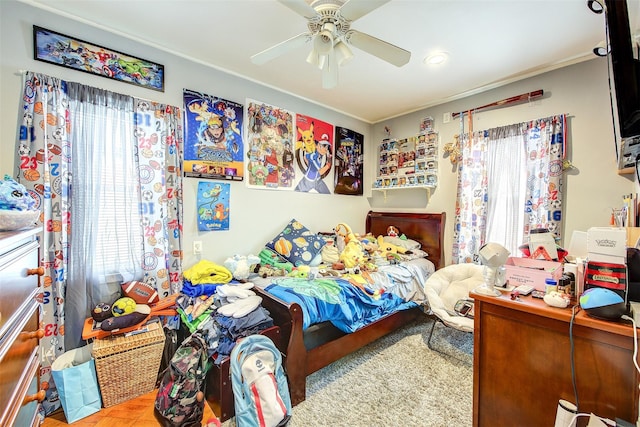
{"x":314,"y":154}
{"x":348,"y":174}
{"x":213,"y":143}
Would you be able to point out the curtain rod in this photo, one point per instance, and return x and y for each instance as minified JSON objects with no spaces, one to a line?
{"x":514,"y":99}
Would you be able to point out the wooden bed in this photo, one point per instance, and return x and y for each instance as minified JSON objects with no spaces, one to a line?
{"x":323,"y":344}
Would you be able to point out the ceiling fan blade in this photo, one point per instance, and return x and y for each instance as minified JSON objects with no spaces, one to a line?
{"x":300,"y":7}
{"x":376,"y":47}
{"x":355,"y":9}
{"x":281,"y":48}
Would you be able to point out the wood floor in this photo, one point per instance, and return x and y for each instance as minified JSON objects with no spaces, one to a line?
{"x":136,"y":412}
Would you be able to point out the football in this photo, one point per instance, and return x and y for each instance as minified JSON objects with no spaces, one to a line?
{"x":140,"y":292}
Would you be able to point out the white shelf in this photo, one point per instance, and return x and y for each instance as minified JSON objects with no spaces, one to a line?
{"x":406,"y":187}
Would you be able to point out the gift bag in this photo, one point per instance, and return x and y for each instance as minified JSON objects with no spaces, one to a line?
{"x":74,"y":373}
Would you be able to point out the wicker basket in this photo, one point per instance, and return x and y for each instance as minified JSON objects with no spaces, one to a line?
{"x":127,"y":366}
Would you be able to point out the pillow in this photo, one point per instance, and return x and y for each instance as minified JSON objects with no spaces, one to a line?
{"x":413,"y":254}
{"x":297,"y":244}
{"x":408,"y":244}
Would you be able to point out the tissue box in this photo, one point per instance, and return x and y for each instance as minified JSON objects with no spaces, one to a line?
{"x":607,"y":244}
{"x":527,"y":271}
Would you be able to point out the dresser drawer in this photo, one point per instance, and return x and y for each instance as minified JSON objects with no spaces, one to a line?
{"x":19,"y":277}
{"x":18,"y":369}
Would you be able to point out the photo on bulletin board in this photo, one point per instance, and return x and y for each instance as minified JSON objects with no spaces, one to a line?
{"x":70,"y":52}
{"x":213,"y":142}
{"x":213,"y":206}
{"x":314,"y":154}
{"x":270,"y":134}
{"x":349,"y":155}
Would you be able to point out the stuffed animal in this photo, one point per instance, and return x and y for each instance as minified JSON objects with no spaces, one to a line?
{"x":352,"y":255}
{"x":268,"y":270}
{"x":343,"y":236}
{"x":369,"y":243}
{"x":389,"y":250}
{"x":240,"y":265}
{"x":14,"y":196}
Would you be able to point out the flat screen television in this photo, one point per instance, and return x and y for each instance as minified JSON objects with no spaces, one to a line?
{"x":625,"y":64}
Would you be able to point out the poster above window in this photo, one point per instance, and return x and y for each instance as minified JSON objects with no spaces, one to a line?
{"x":59,"y":49}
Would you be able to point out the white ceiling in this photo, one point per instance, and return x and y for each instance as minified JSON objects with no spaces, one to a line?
{"x":489,"y":42}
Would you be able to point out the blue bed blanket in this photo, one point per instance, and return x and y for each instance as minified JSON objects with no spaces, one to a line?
{"x":336,"y":300}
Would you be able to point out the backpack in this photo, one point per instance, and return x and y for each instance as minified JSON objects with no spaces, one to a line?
{"x":260,"y":389}
{"x":180,"y":398}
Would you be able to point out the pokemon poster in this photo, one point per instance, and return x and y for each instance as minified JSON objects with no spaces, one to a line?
{"x":269,"y":159}
{"x":213,"y":206}
{"x":314,"y":154}
{"x":348,"y":175}
{"x":213,"y":143}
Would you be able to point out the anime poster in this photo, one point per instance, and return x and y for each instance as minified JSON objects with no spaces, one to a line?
{"x":213,"y":206}
{"x":314,"y":154}
{"x":213,"y":145}
{"x":348,"y":175}
{"x":269,"y":160}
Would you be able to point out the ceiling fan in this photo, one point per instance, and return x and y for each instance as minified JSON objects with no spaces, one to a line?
{"x":330,"y":31}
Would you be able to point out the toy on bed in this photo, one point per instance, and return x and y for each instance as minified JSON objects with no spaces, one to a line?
{"x":352,"y":253}
{"x":241,"y":266}
{"x":389,"y":251}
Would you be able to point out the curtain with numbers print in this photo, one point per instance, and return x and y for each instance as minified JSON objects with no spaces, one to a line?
{"x":51,"y":133}
{"x":471,"y":203}
{"x":159,"y":140}
{"x":45,"y":170}
{"x":544,"y":140}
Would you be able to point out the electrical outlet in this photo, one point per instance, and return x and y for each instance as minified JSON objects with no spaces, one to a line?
{"x":446,"y":117}
{"x":197,"y":247}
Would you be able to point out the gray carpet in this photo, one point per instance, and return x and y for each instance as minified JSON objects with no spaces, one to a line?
{"x":395,"y":381}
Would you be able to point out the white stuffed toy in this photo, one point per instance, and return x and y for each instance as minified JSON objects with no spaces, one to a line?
{"x":241,"y":266}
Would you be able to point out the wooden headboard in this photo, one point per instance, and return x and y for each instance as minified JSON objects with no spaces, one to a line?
{"x":426,"y":228}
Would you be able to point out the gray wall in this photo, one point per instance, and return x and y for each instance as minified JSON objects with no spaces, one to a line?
{"x":580,"y":90}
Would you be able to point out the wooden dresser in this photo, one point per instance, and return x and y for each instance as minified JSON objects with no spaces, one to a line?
{"x":20,"y":396}
{"x":522,"y":363}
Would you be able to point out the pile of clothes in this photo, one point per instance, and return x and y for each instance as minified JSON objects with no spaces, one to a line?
{"x":220,"y":307}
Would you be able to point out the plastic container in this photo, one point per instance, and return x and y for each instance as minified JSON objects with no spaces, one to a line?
{"x":550,"y":285}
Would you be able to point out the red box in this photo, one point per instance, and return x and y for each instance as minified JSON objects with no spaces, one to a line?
{"x":607,"y":275}
{"x":527,"y":271}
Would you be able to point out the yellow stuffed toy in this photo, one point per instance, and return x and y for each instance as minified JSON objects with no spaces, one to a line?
{"x":389,"y":250}
{"x":352,"y":254}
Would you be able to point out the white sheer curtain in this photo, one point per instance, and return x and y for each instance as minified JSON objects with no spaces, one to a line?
{"x":106,"y":234}
{"x":506,"y":185}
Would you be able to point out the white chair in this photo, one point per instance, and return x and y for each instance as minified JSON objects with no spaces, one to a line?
{"x":444,"y":288}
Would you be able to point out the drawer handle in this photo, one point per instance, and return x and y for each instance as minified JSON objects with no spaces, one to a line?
{"x":39,"y":396}
{"x":39,"y":271}
{"x":39,"y":334}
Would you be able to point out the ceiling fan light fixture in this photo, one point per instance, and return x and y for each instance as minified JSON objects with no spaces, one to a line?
{"x":323,"y":42}
{"x":342,"y":52}
{"x":314,"y":59}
